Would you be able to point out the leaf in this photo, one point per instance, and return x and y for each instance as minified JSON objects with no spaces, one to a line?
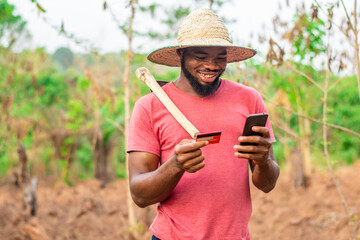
{"x":152,"y":8}
{"x":62,"y":29}
{"x":69,"y":140}
{"x":40,"y":8}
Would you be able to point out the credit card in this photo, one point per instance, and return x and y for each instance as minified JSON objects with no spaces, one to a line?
{"x":212,"y":137}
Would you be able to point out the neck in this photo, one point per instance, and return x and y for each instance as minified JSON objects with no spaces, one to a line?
{"x":183,"y":84}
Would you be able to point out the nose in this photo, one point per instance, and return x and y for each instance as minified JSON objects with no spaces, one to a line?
{"x":211,"y":64}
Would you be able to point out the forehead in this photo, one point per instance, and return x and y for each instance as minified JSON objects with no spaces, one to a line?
{"x":206,"y":50}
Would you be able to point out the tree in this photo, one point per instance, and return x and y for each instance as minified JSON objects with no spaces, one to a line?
{"x":307,"y":39}
{"x":11,"y":26}
{"x":64,"y":56}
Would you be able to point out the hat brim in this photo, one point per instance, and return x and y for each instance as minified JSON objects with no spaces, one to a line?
{"x":168,"y":55}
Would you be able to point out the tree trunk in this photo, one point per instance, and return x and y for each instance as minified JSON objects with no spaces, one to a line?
{"x":23,"y":171}
{"x":100,"y":158}
{"x":304,"y":143}
{"x":22,"y":179}
{"x":306,"y":147}
{"x":126,"y":80}
{"x":357,"y":58}
{"x":299,"y":179}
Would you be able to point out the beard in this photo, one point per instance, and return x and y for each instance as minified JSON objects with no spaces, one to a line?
{"x":202,"y":90}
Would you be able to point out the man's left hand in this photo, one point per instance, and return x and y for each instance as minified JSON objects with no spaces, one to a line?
{"x":258,"y":153}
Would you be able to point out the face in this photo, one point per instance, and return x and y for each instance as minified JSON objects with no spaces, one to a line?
{"x":203,"y":66}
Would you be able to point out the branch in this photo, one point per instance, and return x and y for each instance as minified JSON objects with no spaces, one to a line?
{"x":325,"y":139}
{"x":347,"y":15}
{"x":61,"y":30}
{"x":121,"y":129}
{"x":114,"y":17}
{"x":294,"y":135}
{"x":312,"y":119}
{"x":334,"y":23}
{"x":334,"y":84}
{"x":304,"y":75}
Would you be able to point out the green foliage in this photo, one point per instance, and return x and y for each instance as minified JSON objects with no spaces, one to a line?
{"x":307,"y":38}
{"x":75,"y":115}
{"x":11,"y":25}
{"x":4,"y":158}
{"x":344,"y":100}
{"x":64,"y":167}
{"x":60,"y":114}
{"x":84,"y":160}
{"x":7,"y":17}
{"x":279,"y":153}
{"x":83,"y":83}
{"x":64,"y":56}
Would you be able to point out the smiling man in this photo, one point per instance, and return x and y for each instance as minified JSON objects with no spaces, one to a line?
{"x":202,"y":190}
{"x":202,"y":68}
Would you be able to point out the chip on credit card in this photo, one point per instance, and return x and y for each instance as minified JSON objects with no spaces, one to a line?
{"x":211,"y":137}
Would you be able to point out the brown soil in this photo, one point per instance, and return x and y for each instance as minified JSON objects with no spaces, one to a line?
{"x":88,"y":211}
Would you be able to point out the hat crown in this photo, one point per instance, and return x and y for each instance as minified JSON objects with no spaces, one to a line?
{"x":203,"y":27}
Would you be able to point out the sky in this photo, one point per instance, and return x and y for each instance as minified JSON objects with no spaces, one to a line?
{"x":87,"y":20}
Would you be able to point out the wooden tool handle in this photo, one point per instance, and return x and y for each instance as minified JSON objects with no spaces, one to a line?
{"x":145,"y":76}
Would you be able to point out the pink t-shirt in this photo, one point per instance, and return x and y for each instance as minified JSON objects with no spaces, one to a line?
{"x":213,"y":203}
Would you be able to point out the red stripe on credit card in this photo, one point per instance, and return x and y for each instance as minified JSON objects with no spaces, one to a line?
{"x":211,"y":137}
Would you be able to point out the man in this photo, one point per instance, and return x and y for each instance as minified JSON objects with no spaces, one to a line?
{"x":202,"y":190}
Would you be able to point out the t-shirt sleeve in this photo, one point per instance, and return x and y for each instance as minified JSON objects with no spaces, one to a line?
{"x":261,"y":108}
{"x":142,"y":136}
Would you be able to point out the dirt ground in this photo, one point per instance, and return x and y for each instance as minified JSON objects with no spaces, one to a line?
{"x":87,"y":211}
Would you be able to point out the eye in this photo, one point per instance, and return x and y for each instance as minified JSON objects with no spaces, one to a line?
{"x":200,"y":57}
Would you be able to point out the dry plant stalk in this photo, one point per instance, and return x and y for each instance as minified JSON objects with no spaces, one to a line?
{"x":326,"y":152}
{"x":28,"y":186}
{"x":131,"y":213}
{"x":350,"y":28}
{"x":325,"y":89}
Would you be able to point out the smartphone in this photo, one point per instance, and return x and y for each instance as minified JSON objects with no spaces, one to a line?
{"x":258,"y":119}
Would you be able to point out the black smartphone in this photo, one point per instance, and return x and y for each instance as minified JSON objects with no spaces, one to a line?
{"x":258,"y":119}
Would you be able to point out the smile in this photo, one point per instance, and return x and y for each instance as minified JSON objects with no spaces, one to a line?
{"x":207,"y":75}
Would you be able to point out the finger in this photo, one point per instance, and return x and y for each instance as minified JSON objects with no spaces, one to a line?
{"x":250,"y":139}
{"x":263,"y":130}
{"x":244,"y":148}
{"x":186,"y":141}
{"x":194,"y":163}
{"x":184,"y":157}
{"x":185,"y":146}
{"x":248,"y":155}
{"x":260,"y":149}
{"x":196,"y":167}
{"x":255,"y":140}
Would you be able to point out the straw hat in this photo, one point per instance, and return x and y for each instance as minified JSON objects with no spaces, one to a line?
{"x":201,"y":28}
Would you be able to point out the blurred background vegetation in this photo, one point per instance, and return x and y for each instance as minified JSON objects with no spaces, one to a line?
{"x":68,"y":109}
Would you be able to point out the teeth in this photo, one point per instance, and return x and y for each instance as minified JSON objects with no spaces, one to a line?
{"x":207,"y":75}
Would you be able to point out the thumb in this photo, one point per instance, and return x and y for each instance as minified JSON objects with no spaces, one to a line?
{"x":186,"y":141}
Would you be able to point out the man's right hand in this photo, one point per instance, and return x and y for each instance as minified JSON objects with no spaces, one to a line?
{"x":151,"y":183}
{"x":188,"y":155}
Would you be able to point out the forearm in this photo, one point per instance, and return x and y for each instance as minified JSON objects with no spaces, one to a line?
{"x":264,"y":176}
{"x":151,"y":187}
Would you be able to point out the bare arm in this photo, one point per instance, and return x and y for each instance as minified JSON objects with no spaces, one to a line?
{"x":150,"y":184}
{"x":265,"y":175}
{"x":261,"y":158}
